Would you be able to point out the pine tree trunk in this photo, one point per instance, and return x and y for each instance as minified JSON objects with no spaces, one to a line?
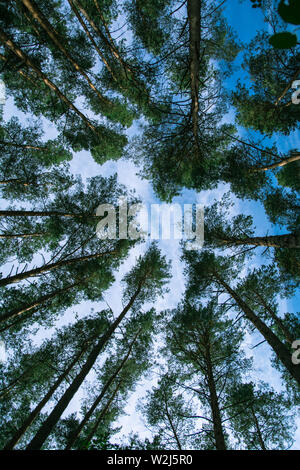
{"x":16,"y":213}
{"x":214,"y":402}
{"x":288,"y":87}
{"x":103,"y":412}
{"x":257,"y":427}
{"x":36,"y":411}
{"x":37,"y":303}
{"x":276,"y":319}
{"x":194,"y":9}
{"x":19,"y":53}
{"x":49,"y":267}
{"x":289,"y":240}
{"x":23,"y":235}
{"x":71,"y":3}
{"x":48,"y":425}
{"x":22,"y":146}
{"x":42,"y":20}
{"x":278,"y":164}
{"x":89,"y":413}
{"x":283,"y":354}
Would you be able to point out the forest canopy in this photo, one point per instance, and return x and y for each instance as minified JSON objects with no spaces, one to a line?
{"x":132,"y":343}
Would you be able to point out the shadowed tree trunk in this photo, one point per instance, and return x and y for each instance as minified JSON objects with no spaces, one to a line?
{"x":194,"y":9}
{"x":42,"y":20}
{"x":288,"y":240}
{"x":36,"y":411}
{"x":49,"y":267}
{"x":89,"y":413}
{"x":283,"y":354}
{"x":19,"y":53}
{"x":214,"y":402}
{"x":48,"y":425}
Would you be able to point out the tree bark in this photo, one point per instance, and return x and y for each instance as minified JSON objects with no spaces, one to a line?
{"x":259,"y":434}
{"x":42,"y":20}
{"x":283,"y":354}
{"x":194,"y":9}
{"x":296,"y":75}
{"x":214,"y":402}
{"x":87,"y":416}
{"x":23,"y":235}
{"x":43,"y":269}
{"x":103,"y":411}
{"x":288,"y":240}
{"x":37,"y":303}
{"x":278,"y":164}
{"x":71,"y":3}
{"x":35,"y":412}
{"x":276,"y":319}
{"x":22,"y":213}
{"x":19,"y":53}
{"x":48,"y":425}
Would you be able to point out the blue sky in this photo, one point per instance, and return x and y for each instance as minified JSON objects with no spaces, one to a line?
{"x":245,"y":21}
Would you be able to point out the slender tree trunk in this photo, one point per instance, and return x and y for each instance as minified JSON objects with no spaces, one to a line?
{"x":296,"y":75}
{"x":22,"y":146}
{"x":293,"y":158}
{"x":89,"y":413}
{"x":22,"y":213}
{"x":257,"y":427}
{"x":288,"y":240}
{"x":283,"y":354}
{"x":276,"y":319}
{"x":214,"y":402}
{"x":19,"y":53}
{"x":104,"y":411}
{"x":49,"y":267}
{"x":37,"y":303}
{"x":71,"y":3}
{"x":36,"y":411}
{"x":42,"y":20}
{"x":173,"y":427}
{"x":48,"y":425}
{"x":194,"y":9}
{"x":23,"y":235}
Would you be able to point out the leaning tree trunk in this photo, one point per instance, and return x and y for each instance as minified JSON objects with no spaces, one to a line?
{"x":42,"y":20}
{"x":288,"y":240}
{"x":87,"y":416}
{"x":276,"y":319}
{"x":48,"y":425}
{"x":38,"y":302}
{"x":9,"y":236}
{"x":257,"y":427}
{"x":278,"y":347}
{"x":36,"y":411}
{"x":13,"y":213}
{"x":19,"y":53}
{"x":50,"y":267}
{"x":103,"y":411}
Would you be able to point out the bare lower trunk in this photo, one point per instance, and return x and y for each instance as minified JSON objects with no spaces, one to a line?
{"x":19,"y":53}
{"x":89,"y":413}
{"x":288,"y":240}
{"x":49,"y":267}
{"x":51,"y":421}
{"x":42,"y":20}
{"x":194,"y":9}
{"x":283,"y":354}
{"x":36,"y":411}
{"x":214,"y":403}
